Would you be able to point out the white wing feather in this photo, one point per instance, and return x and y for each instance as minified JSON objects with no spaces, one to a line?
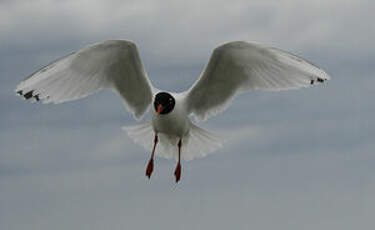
{"x":111,"y":64}
{"x":240,"y":66}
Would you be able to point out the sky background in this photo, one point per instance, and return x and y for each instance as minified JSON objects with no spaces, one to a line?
{"x":300,"y":159}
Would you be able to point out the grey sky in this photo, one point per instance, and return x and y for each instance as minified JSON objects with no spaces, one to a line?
{"x":293,"y":160}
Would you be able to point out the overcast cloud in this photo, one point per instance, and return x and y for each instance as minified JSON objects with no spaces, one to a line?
{"x":292,"y":160}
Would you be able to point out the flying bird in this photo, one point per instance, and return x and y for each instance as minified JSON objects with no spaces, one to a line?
{"x":233,"y":68}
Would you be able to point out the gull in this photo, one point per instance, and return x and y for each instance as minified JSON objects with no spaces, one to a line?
{"x":234,"y":68}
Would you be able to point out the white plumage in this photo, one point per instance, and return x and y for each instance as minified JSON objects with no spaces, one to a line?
{"x":233,"y":68}
{"x":111,"y":64}
{"x":237,"y":67}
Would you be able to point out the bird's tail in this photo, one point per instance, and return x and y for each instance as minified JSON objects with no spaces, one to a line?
{"x":199,"y":143}
{"x":196,"y":144}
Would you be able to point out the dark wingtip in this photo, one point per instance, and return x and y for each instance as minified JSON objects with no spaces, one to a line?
{"x":28,"y":95}
{"x":320,"y":79}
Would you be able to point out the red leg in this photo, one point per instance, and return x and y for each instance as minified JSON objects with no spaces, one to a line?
{"x":177,"y":171}
{"x":150,"y":165}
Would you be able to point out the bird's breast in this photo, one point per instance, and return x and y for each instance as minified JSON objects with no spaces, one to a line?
{"x":174,"y":123}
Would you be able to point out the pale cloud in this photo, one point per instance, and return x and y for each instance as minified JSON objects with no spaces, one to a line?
{"x":179,"y":33}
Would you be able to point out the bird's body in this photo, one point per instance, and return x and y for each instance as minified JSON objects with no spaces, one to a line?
{"x":234,"y":68}
{"x":176,"y":123}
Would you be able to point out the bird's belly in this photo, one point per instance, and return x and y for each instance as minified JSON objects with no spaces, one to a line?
{"x":171,"y":124}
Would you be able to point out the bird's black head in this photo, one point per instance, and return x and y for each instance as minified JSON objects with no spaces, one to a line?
{"x":164,"y":103}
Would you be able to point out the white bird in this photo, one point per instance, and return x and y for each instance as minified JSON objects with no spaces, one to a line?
{"x":233,"y":68}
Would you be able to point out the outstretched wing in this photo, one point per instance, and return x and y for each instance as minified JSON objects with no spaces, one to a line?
{"x":113,"y":64}
{"x":241,"y":66}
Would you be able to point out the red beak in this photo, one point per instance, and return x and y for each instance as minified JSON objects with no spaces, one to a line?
{"x":159,"y":109}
